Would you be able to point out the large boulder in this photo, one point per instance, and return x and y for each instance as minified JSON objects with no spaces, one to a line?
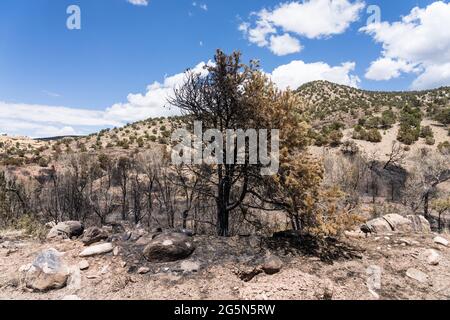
{"x":419,"y":223}
{"x":379,"y":225}
{"x":94,"y":234}
{"x":396,"y":222}
{"x":399,"y":223}
{"x":169,"y":247}
{"x":47,"y":272}
{"x":66,"y":229}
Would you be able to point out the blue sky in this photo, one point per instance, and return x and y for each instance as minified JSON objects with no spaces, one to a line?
{"x":59,"y":81}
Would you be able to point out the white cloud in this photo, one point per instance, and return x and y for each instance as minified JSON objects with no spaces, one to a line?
{"x":153,"y":103}
{"x":420,"y":39}
{"x":387,"y":68}
{"x":201,"y":6}
{"x":312,"y":19}
{"x":297,"y":72}
{"x":42,"y":120}
{"x":138,"y":2}
{"x":434,"y":76}
{"x":258,"y":34}
{"x":285,"y":44}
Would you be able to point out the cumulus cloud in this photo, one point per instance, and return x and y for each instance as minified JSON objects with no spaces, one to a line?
{"x":311,"y":19}
{"x":297,"y":72}
{"x":285,"y":44}
{"x":387,"y":68}
{"x":419,"y":42}
{"x":153,"y":103}
{"x":138,"y":2}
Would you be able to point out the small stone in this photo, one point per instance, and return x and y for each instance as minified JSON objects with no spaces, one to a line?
{"x":417,"y":275}
{"x":272,"y":265}
{"x":441,"y":241}
{"x":83,"y":265}
{"x":116,"y":251}
{"x":143,"y":270}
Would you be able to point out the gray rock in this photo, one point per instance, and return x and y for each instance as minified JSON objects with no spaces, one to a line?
{"x":93,"y":235}
{"x":417,"y":275}
{"x":272,"y":265}
{"x":169,"y":247}
{"x":67,"y":229}
{"x":97,"y":249}
{"x":48,"y":261}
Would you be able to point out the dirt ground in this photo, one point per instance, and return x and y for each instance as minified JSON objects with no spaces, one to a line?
{"x":305,"y":275}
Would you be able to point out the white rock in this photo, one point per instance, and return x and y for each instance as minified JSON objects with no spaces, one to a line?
{"x":430,"y":256}
{"x":116,"y":251}
{"x":74,"y":280}
{"x":143,"y":270}
{"x":83,"y":265}
{"x":190,"y":266}
{"x":440,"y":240}
{"x":417,"y":275}
{"x":97,"y":249}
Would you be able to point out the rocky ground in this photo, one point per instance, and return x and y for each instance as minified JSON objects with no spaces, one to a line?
{"x":117,"y":263}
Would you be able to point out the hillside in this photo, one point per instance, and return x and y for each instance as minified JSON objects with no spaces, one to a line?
{"x":328,"y":102}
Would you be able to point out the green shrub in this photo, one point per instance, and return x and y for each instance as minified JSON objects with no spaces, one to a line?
{"x":426,"y":132}
{"x":373,"y":135}
{"x":430,"y":141}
